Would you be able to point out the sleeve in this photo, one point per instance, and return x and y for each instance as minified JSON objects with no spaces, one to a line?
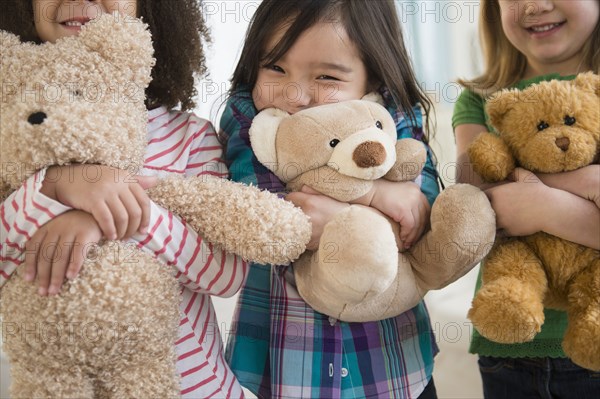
{"x":200,"y":266}
{"x":428,"y":180}
{"x":22,"y":214}
{"x":244,"y":167}
{"x":469,"y":109}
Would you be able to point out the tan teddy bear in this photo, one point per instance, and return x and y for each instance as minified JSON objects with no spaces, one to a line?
{"x":358,"y":273}
{"x":111,"y":331}
{"x":549,"y":127}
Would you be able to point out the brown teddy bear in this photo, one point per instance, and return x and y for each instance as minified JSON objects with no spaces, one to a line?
{"x":111,"y":331}
{"x":358,"y":273}
{"x":549,"y":127}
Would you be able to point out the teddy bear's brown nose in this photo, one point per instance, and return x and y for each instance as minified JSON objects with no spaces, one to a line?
{"x":563,"y":143}
{"x":369,"y":154}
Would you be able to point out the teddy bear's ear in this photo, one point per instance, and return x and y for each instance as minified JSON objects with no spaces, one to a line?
{"x":123,"y":41}
{"x":374,"y":97}
{"x":263,"y":133}
{"x":499,"y":104}
{"x":588,"y":81}
{"x":7,"y":41}
{"x":9,"y":52}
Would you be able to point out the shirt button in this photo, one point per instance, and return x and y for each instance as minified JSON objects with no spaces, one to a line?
{"x":344,"y":372}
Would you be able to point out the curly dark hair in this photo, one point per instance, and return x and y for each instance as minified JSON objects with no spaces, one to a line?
{"x":178,"y":33}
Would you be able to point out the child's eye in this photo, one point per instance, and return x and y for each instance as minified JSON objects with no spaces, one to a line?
{"x":275,"y":68}
{"x":327,"y":77}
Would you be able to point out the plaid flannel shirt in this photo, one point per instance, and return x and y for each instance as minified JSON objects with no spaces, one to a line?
{"x":279,"y":347}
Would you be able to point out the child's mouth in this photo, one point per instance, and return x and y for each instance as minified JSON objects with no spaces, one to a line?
{"x":75,"y":23}
{"x":541,"y":30}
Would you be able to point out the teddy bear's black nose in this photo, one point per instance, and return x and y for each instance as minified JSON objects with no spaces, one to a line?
{"x":37,"y":118}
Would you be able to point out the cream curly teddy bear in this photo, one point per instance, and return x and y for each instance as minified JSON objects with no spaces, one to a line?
{"x":111,"y":332}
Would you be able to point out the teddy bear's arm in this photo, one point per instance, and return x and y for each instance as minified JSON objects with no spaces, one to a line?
{"x":410,"y":160}
{"x":244,"y":220}
{"x":491,"y":157}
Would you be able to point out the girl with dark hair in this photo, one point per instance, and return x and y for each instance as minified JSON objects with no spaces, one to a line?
{"x":73,"y":213}
{"x":300,"y":54}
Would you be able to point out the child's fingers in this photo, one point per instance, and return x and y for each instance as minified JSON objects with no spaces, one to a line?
{"x":47,"y":253}
{"x":134,"y":213}
{"x":60,"y":262}
{"x":144,"y":204}
{"x":32,"y":250}
{"x":77,"y":258}
{"x":119,"y":214}
{"x":103,"y":216}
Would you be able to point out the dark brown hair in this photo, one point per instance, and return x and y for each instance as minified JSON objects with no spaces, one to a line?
{"x":373,"y":26}
{"x":178,"y":33}
{"x":504,"y":65}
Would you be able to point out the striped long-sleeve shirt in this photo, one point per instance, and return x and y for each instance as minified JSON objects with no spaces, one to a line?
{"x":179,"y":143}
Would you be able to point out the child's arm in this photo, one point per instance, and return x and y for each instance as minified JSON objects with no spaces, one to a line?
{"x":22,"y":214}
{"x":584,"y":182}
{"x":527,"y":205}
{"x":59,"y":248}
{"x":200,"y":266}
{"x":113,"y":196}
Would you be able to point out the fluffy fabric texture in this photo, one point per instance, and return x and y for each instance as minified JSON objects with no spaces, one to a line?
{"x":549,"y":127}
{"x":81,"y":100}
{"x":358,"y":274}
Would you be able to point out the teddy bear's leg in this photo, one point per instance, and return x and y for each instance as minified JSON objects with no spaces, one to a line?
{"x":509,"y":306}
{"x":463,"y":228}
{"x":357,"y":260}
{"x":34,"y":381}
{"x":582,"y":338}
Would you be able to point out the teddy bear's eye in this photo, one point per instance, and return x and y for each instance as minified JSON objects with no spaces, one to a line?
{"x":334,"y":142}
{"x":542,"y":125}
{"x":569,"y":120}
{"x":379,"y":125}
{"x":37,"y":118}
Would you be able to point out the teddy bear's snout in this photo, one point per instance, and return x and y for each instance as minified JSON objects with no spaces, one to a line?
{"x":37,"y":118}
{"x":563,"y":143}
{"x":369,"y":154}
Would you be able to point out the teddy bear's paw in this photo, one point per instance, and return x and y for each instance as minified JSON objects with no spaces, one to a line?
{"x":357,"y":254}
{"x":582,"y":340}
{"x":463,"y":228}
{"x":506,"y":312}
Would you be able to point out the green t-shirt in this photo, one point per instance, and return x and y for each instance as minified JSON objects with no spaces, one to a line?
{"x":470,"y":109}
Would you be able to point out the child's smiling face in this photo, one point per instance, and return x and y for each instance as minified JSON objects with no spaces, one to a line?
{"x":549,"y":32}
{"x":322,"y":66}
{"x":59,"y":18}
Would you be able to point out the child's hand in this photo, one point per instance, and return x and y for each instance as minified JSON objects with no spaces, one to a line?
{"x":320,"y":208}
{"x":406,"y":204}
{"x":519,"y":204}
{"x":58,"y":249}
{"x":114,"y":197}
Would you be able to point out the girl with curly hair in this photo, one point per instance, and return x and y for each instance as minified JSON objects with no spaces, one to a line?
{"x":69,"y":211}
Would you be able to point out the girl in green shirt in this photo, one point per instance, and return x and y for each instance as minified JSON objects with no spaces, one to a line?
{"x":526,"y":42}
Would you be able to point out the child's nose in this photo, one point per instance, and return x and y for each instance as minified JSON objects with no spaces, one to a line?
{"x":300,"y":97}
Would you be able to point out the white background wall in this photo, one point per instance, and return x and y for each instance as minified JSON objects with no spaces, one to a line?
{"x":441,"y":36}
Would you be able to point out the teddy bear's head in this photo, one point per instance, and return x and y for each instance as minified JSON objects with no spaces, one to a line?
{"x":78,"y":100}
{"x":552,"y":126}
{"x":355,"y":138}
